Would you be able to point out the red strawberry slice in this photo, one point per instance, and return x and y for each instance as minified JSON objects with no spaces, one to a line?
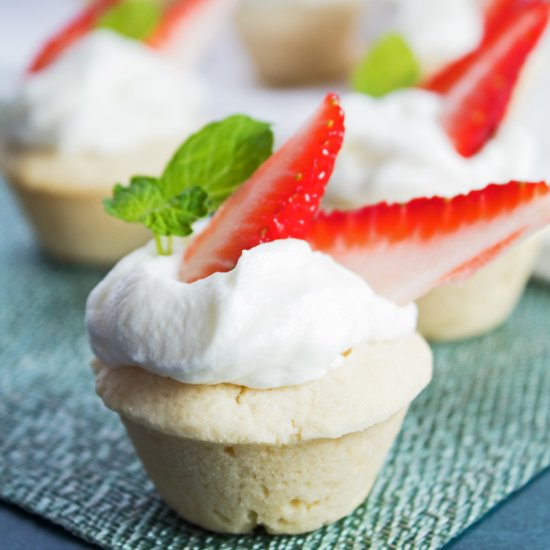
{"x":278,"y":201}
{"x":176,"y":16}
{"x":404,"y":250}
{"x":478,"y":87}
{"x":75,"y":30}
{"x":498,"y":12}
{"x":452,"y":74}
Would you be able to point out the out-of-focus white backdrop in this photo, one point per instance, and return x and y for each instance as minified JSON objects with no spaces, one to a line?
{"x":24,"y":25}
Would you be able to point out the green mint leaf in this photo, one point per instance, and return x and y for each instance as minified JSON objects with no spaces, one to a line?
{"x":134,"y":202}
{"x":389,"y":65}
{"x":135,"y":19}
{"x":144,"y":201}
{"x":219,"y":158}
{"x":178,"y":214}
{"x":203,"y":172}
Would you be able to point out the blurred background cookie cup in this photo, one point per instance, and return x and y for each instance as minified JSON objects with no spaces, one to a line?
{"x":478,"y":305}
{"x":456,"y":132}
{"x":298,"y":42}
{"x":62,"y":197}
{"x":105,"y":109}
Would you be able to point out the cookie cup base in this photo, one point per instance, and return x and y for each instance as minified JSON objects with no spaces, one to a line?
{"x":73,"y":227}
{"x":300,"y":43}
{"x":483,"y":302}
{"x":287,"y":489}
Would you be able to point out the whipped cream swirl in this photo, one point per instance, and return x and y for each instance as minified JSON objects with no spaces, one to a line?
{"x":283,"y":316}
{"x":104,"y":95}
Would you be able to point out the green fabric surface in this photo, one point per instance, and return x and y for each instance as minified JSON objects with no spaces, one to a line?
{"x":479,"y":432}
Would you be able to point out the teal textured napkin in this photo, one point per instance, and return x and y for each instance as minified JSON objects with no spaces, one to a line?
{"x":478,"y":433}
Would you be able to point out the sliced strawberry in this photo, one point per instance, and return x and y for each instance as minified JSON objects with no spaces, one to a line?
{"x":177,"y":15}
{"x":452,"y":74}
{"x":498,"y":12}
{"x":76,"y":29}
{"x":188,"y":27}
{"x":404,"y":250}
{"x":278,"y":201}
{"x":478,"y":87}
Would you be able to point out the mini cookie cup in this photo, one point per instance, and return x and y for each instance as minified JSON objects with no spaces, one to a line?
{"x":294,"y":43}
{"x":481,"y":303}
{"x":62,"y":194}
{"x":290,"y":459}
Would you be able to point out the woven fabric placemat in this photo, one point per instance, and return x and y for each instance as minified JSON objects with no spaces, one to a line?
{"x":479,"y":432}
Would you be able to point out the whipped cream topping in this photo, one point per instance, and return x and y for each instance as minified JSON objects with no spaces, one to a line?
{"x":439,"y":31}
{"x":283,"y":316}
{"x":395,"y":149}
{"x":104,"y":95}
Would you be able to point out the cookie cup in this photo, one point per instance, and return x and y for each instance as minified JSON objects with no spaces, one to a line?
{"x":295,"y":43}
{"x":62,"y":196}
{"x":290,"y":459}
{"x":482,"y":302}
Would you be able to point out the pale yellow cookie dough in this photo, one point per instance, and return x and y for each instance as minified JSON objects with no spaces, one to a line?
{"x":482,"y":302}
{"x":290,"y":459}
{"x":62,"y":196}
{"x":300,"y":42}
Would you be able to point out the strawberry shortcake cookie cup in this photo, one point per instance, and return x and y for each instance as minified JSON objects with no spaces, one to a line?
{"x":449,"y":137}
{"x":262,"y":382}
{"x":95,"y":107}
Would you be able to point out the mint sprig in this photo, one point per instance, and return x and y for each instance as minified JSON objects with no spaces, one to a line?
{"x":390,"y":64}
{"x":135,"y":19}
{"x":146,"y":201}
{"x":203,"y":172}
{"x":220,"y":157}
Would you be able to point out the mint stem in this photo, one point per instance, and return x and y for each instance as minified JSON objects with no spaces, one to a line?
{"x":158,"y":242}
{"x":161,"y":249}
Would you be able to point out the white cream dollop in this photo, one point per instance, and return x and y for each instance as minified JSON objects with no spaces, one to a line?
{"x":106,"y":94}
{"x":439,"y":31}
{"x":395,"y":149}
{"x":283,"y":316}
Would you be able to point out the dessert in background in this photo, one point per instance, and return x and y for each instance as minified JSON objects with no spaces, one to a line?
{"x":434,"y":34}
{"x":94,"y":111}
{"x":261,"y":382}
{"x":305,"y":41}
{"x":182,"y":28}
{"x":450,"y":136}
{"x":294,"y":42}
